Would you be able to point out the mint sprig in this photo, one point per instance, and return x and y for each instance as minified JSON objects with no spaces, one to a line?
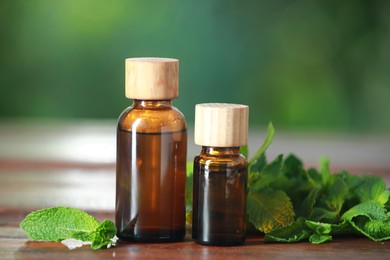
{"x":61,"y":223}
{"x":311,"y":204}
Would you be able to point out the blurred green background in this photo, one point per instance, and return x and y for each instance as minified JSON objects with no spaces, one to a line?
{"x":312,"y":65}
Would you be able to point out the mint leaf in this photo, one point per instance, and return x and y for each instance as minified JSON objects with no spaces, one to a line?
{"x":371,"y":219}
{"x":331,"y":200}
{"x":62,"y":223}
{"x":343,"y":228}
{"x":103,"y":234}
{"x":258,"y":161}
{"x":294,"y":180}
{"x":335,"y":194}
{"x":318,"y":227}
{"x":324,"y":215}
{"x":59,"y":223}
{"x":267,"y":141}
{"x":267,"y":175}
{"x":306,"y":208}
{"x":302,"y":229}
{"x":324,"y":170}
{"x":372,"y":188}
{"x":376,"y":230}
{"x":321,"y":232}
{"x":314,"y":177}
{"x":295,"y":232}
{"x":352,"y":181}
{"x":319,"y":239}
{"x":256,"y":165}
{"x":270,"y":209}
{"x":83,"y":236}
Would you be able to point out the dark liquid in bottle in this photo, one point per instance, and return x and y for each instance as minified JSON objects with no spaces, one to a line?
{"x":219,"y":206}
{"x":151,"y":174}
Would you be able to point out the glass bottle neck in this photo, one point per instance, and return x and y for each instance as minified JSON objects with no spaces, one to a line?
{"x":221,"y":151}
{"x":152,"y":103}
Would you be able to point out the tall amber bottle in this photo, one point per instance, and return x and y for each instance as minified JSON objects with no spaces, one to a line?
{"x":220,"y":174}
{"x":151,"y":155}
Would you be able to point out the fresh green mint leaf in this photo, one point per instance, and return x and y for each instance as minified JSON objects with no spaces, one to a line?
{"x":351,"y":180}
{"x":267,"y":141}
{"x":267,"y":175}
{"x":295,"y":182}
{"x":319,"y":239}
{"x":301,"y":229}
{"x":372,"y":188}
{"x":329,"y":204}
{"x":292,"y":165}
{"x":83,"y":236}
{"x":370,"y":209}
{"x":371,"y":219}
{"x":324,"y":170}
{"x":307,"y":206}
{"x":321,"y":232}
{"x":295,"y":232}
{"x":383,"y":197}
{"x":336,"y":193}
{"x":258,"y":161}
{"x":324,"y":215}
{"x":269,"y":209}
{"x":376,"y":230}
{"x":59,"y":223}
{"x":343,"y":228}
{"x":314,"y":177}
{"x":256,"y":166}
{"x":331,"y":200}
{"x":62,"y":223}
{"x":103,"y":235}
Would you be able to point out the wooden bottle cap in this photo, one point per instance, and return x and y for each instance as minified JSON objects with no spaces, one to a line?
{"x":152,"y":78}
{"x":221,"y":125}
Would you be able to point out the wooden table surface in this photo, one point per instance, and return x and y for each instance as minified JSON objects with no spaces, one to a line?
{"x":44,"y":165}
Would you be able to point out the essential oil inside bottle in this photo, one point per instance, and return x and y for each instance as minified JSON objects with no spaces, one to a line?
{"x":220,"y":202}
{"x":151,"y":190}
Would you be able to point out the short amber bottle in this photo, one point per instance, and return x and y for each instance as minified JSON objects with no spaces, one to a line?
{"x":220,"y":175}
{"x":151,"y":155}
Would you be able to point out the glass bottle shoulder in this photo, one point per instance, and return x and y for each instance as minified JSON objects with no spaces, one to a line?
{"x":217,"y":162}
{"x":152,"y":118}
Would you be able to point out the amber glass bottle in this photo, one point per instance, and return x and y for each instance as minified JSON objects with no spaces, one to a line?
{"x":220,"y":174}
{"x":151,"y":155}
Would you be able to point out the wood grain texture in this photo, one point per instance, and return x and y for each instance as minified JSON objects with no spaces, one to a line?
{"x":221,"y":124}
{"x":152,"y":78}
